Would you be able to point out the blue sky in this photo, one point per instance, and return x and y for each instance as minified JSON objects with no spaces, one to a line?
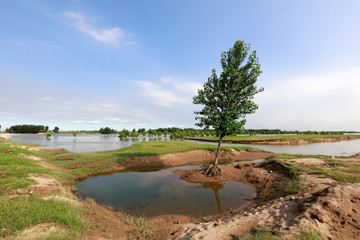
{"x":132,"y":64}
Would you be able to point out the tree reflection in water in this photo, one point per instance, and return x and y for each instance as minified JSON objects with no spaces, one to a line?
{"x":215,"y":186}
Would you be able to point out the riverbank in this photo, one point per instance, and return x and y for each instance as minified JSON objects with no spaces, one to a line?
{"x":37,"y":198}
{"x":279,"y":139}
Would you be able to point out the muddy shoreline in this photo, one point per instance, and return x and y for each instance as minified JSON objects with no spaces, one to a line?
{"x":282,"y":141}
{"x":269,"y":179}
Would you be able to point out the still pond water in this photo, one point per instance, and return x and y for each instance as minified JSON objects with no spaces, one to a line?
{"x":163,"y":192}
{"x":153,"y":193}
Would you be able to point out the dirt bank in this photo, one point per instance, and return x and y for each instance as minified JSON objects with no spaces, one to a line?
{"x":331,"y":211}
{"x":199,"y":156}
{"x":283,"y":141}
{"x":270,"y":180}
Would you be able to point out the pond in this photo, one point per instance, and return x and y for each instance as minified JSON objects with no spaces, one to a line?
{"x":84,"y":143}
{"x":162,"y":192}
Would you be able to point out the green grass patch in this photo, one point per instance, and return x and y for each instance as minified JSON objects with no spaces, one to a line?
{"x":340,"y":169}
{"x":296,"y":185}
{"x":160,"y":147}
{"x":18,"y":213}
{"x":15,"y":170}
{"x":258,"y":234}
{"x":306,"y":234}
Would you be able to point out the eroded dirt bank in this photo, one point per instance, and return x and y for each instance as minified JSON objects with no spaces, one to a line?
{"x":270,"y":179}
{"x":332,"y":211}
{"x":283,"y":141}
{"x":199,"y":156}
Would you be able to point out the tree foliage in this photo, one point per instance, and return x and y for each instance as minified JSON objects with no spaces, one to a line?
{"x":56,"y":129}
{"x":227,"y":98}
{"x":26,"y":128}
{"x":107,"y":130}
{"x":124,"y":133}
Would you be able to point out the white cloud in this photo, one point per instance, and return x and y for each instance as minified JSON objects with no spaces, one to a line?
{"x":319,"y":102}
{"x":161,"y":96}
{"x":107,"y":105}
{"x":122,"y":120}
{"x":113,"y":35}
{"x":182,"y":85}
{"x":47,"y":99}
{"x":84,"y":122}
{"x":95,"y":121}
{"x":78,"y":122}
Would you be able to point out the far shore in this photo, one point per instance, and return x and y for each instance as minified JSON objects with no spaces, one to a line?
{"x":279,"y":140}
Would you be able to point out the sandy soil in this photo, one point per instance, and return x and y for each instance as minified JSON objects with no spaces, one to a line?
{"x":333,"y":211}
{"x":269,"y":180}
{"x":193,"y":157}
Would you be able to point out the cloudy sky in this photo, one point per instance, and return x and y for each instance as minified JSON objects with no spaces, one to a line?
{"x":129,"y":64}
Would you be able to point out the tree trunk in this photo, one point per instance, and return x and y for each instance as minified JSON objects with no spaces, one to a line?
{"x":213,"y":170}
{"x":216,"y":161}
{"x":218,"y":200}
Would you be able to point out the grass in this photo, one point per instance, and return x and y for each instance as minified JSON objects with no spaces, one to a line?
{"x":296,"y":185}
{"x":15,"y":169}
{"x":340,"y":169}
{"x":258,"y":234}
{"x":270,"y":234}
{"x":18,"y":213}
{"x":306,"y":234}
{"x":160,"y":147}
{"x":310,"y":138}
{"x":141,"y":229}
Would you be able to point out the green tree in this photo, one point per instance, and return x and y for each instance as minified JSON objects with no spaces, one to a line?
{"x":56,"y":129}
{"x":229,"y":97}
{"x":124,"y":133}
{"x":107,"y":130}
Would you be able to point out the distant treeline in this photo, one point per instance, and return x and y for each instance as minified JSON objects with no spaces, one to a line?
{"x":27,"y":128}
{"x":278,"y":131}
{"x":30,"y":128}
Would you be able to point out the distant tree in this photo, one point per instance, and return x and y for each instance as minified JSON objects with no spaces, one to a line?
{"x":134,"y":134}
{"x":229,"y":97}
{"x":46,"y":128}
{"x":124,"y":133}
{"x":56,"y":129}
{"x":107,"y":130}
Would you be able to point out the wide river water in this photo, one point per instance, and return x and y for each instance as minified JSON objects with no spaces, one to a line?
{"x":85,"y":143}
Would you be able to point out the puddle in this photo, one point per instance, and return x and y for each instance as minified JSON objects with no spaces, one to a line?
{"x":164,"y":193}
